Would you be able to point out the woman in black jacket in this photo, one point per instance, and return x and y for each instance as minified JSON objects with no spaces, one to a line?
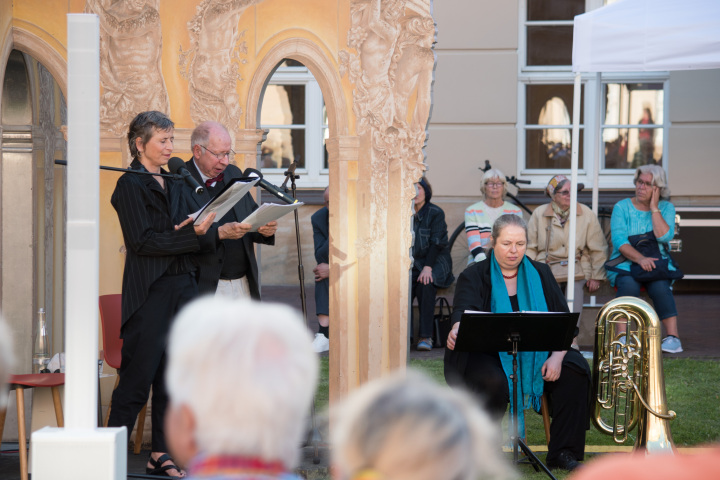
{"x":158,"y":279}
{"x":508,"y":281}
{"x":432,"y":264}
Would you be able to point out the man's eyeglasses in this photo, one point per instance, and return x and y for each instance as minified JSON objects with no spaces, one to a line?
{"x":640,"y":183}
{"x":494,"y":184}
{"x":220,"y":156}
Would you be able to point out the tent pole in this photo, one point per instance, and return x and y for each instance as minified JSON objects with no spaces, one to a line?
{"x":599,"y":116}
{"x":570,"y":293}
{"x":598,"y":143}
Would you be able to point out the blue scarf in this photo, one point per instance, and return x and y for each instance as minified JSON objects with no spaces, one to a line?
{"x":530,"y":298}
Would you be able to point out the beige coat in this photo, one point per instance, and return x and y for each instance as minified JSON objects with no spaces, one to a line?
{"x":591,"y":246}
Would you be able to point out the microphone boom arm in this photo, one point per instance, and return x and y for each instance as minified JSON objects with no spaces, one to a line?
{"x":128,"y":170}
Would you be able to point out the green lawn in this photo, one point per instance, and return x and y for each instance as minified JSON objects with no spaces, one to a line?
{"x":692,"y":388}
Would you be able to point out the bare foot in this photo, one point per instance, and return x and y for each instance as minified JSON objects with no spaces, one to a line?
{"x":160,"y":463}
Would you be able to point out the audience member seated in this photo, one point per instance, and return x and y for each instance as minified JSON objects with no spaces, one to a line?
{"x":320,"y":221}
{"x":406,"y":427}
{"x":432,"y":265}
{"x":631,"y":266}
{"x":241,"y":376}
{"x":507,"y":281}
{"x":548,"y":237}
{"x":479,"y":217}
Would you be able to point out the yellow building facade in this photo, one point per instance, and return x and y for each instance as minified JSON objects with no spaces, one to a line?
{"x":211,"y":60}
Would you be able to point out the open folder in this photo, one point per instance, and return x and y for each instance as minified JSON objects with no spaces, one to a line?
{"x":232,"y":193}
{"x":225,"y":199}
{"x":267,"y":212}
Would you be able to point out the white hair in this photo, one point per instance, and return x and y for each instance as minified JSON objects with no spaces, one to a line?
{"x":247,"y":371}
{"x":407,"y":427}
{"x":493,"y":174}
{"x":658,"y":178}
{"x":6,"y":360}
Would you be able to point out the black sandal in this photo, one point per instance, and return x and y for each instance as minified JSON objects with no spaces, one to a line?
{"x":159,"y":469}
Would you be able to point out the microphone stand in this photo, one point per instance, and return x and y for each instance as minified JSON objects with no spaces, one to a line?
{"x":314,"y":438}
{"x":129,"y":170}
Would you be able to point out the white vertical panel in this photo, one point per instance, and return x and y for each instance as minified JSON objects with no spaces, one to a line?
{"x":83,"y":194}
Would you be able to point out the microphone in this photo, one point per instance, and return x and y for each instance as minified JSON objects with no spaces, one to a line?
{"x":177,"y":167}
{"x":251,"y":172}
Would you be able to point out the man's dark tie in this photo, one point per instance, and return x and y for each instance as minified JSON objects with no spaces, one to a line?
{"x":209,"y":182}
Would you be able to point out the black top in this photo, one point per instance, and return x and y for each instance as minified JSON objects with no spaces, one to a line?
{"x":474,"y":291}
{"x":235,"y":262}
{"x":148,"y":215}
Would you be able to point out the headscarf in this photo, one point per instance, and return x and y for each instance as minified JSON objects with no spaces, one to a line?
{"x":552,"y":185}
{"x":530,"y":297}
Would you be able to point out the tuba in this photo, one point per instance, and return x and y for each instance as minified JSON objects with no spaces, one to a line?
{"x":628,"y":380}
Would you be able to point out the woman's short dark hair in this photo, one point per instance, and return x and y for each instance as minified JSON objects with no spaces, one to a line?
{"x":506,"y":220}
{"x":144,"y":125}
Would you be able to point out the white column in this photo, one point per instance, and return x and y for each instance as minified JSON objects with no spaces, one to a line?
{"x":81,"y":450}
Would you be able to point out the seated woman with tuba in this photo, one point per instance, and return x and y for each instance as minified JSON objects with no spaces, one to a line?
{"x":507,"y":281}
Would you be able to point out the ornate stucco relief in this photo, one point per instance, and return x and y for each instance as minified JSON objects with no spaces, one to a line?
{"x":130,"y":61}
{"x":212,"y":63}
{"x":393,"y":60}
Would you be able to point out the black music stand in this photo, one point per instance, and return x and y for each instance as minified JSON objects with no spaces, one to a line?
{"x":513,"y":333}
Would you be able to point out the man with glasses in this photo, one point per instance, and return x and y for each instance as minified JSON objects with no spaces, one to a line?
{"x":231,"y":269}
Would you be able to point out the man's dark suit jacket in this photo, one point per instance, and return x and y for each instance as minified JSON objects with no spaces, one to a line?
{"x":147,"y":219}
{"x":210,"y":264}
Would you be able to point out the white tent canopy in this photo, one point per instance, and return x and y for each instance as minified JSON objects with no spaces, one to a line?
{"x":638,"y":36}
{"x":648,"y":35}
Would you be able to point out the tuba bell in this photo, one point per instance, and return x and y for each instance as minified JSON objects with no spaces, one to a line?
{"x":628,"y":380}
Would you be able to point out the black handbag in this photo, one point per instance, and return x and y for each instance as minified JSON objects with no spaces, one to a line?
{"x":647,"y":245}
{"x":441,"y":322}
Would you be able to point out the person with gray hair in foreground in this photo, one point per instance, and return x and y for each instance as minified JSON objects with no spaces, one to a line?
{"x":407,"y":427}
{"x":241,"y":376}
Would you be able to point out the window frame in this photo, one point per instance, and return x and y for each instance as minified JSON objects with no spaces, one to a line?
{"x":314,"y":174}
{"x":593,"y":107}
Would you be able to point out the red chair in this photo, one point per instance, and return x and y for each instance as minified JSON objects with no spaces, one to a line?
{"x":19,"y":383}
{"x":111,"y":318}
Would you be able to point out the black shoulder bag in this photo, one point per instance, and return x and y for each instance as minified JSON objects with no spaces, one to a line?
{"x":647,"y":245}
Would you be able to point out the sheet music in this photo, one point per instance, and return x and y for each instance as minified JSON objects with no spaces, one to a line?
{"x":224,"y":201}
{"x":267,"y":212}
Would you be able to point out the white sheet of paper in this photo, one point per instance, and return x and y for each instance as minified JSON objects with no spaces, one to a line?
{"x":222,"y":204}
{"x":267,"y":212}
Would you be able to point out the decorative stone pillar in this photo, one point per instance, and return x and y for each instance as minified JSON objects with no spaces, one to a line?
{"x":344,"y":345}
{"x":247,"y":142}
{"x":390,"y":64}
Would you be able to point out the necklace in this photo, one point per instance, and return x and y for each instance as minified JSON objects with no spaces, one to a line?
{"x":508,"y":277}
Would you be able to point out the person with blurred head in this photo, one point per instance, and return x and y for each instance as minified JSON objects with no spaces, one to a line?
{"x":702,"y":464}
{"x":321,"y":239}
{"x":548,"y":234}
{"x":629,"y":269}
{"x":505,"y":282}
{"x":479,"y":217}
{"x":230,"y":268}
{"x":432,"y":264}
{"x":241,"y":376}
{"x":407,"y":427}
{"x":159,"y":276}
{"x":6,"y":362}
